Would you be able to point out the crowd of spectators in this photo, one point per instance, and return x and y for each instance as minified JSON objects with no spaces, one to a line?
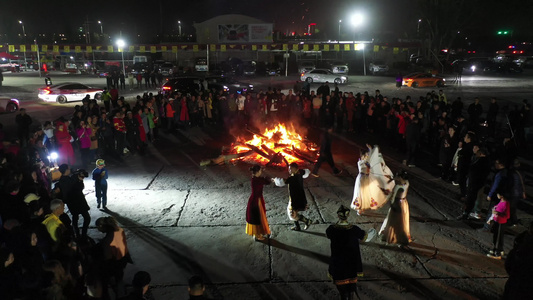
{"x":45,"y":255}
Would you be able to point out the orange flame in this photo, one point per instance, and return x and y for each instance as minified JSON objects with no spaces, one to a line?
{"x":277,"y":140}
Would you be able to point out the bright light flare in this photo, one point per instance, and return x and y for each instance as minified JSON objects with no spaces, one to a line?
{"x":357,"y":19}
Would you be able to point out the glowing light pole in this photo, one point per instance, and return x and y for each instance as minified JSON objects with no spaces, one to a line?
{"x":340,"y":21}
{"x":121,"y":44}
{"x":179,"y":28}
{"x":101,"y":27}
{"x":357,"y":21}
{"x":24,"y":40}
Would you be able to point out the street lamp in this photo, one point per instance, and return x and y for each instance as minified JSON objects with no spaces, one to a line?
{"x":101,"y":27}
{"x":121,"y":44}
{"x":357,"y":21}
{"x":24,"y":40}
{"x":340,"y":21}
{"x":179,"y":28}
{"x":418,"y":33}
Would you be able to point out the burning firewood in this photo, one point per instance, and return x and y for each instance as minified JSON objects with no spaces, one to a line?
{"x":280,"y":145}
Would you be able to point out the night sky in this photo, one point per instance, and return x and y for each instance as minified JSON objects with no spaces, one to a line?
{"x":144,"y":16}
{"x":398,"y":17}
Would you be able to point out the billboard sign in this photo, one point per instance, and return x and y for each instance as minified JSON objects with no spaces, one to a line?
{"x":244,"y":33}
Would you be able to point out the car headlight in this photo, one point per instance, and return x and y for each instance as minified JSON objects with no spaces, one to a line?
{"x":473,"y":68}
{"x":443,"y":79}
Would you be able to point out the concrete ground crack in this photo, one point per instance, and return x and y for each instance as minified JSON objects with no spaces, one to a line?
{"x":153,"y":179}
{"x":175,"y":224}
{"x":436,"y":252}
{"x":322,"y":219}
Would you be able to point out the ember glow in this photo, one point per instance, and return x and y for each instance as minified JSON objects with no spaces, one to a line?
{"x":278,"y":146}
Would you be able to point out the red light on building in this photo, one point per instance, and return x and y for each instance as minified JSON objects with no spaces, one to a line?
{"x":311,"y":28}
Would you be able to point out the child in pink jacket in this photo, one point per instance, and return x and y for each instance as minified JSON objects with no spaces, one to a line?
{"x":500,"y":214}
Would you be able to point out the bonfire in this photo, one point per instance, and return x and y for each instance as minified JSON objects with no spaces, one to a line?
{"x":277,"y":146}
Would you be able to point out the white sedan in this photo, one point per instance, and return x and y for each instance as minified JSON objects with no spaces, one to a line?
{"x":8,"y":105}
{"x":323,"y":75}
{"x":69,"y":91}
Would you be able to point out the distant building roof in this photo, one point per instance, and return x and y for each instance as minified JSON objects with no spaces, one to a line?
{"x":233,"y":28}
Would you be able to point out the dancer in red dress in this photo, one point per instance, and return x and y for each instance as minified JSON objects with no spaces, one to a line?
{"x":256,"y":221}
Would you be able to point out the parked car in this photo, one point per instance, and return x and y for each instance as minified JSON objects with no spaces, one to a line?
{"x":378,"y":66}
{"x":339,"y":67}
{"x":223,"y":68}
{"x":420,"y":79}
{"x":228,"y":84}
{"x":323,"y":75}
{"x":200,"y":64}
{"x":184,"y":85}
{"x":249,"y":69}
{"x":102,"y":73}
{"x":306,"y":66}
{"x":478,"y":64}
{"x":69,"y":91}
{"x":273,"y":69}
{"x":504,"y":67}
{"x":166,"y":68}
{"x":141,"y":67}
{"x":8,"y":105}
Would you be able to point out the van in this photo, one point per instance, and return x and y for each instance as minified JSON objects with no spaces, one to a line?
{"x":200,"y":65}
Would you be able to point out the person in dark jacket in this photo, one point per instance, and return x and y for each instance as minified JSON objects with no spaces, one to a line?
{"x":23,"y":121}
{"x":77,"y":204}
{"x":345,"y":264}
{"x":132,"y":132}
{"x":412,"y":140}
{"x":463,"y":163}
{"x":325,"y":153}
{"x":477,"y":175}
{"x":474,"y":112}
{"x":297,"y":198}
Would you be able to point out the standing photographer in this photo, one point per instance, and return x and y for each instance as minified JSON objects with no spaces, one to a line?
{"x":77,"y":205}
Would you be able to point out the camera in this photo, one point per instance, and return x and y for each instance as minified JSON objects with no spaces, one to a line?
{"x":81,"y":172}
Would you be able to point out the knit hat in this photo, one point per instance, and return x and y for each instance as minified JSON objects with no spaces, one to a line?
{"x":100,"y":162}
{"x":343,"y":212}
{"x":31,"y":197}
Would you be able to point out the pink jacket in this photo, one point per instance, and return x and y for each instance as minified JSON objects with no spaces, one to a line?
{"x":503,"y":212}
{"x":84,"y":135}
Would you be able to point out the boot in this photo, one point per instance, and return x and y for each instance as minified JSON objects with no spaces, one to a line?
{"x":306,"y":221}
{"x":296,"y":226}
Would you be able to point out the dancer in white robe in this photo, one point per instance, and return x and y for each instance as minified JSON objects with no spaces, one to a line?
{"x":374,"y":182}
{"x":395,"y":228}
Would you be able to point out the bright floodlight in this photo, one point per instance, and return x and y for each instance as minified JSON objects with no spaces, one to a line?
{"x":121,"y":43}
{"x":357,"y":19}
{"x":54,"y":155}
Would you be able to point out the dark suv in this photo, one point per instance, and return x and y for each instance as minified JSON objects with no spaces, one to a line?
{"x":184,"y":85}
{"x":228,"y":85}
